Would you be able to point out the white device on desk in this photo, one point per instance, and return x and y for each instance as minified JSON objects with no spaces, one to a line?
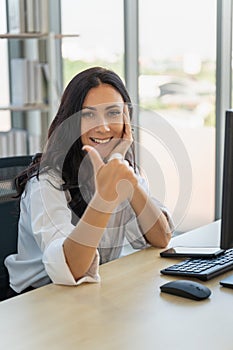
{"x":191,"y":252}
{"x":227,"y":282}
{"x":210,"y":267}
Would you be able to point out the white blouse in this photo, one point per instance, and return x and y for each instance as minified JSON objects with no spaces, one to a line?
{"x":45,"y":222}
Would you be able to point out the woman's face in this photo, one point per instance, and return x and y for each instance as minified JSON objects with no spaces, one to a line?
{"x":102,"y":119}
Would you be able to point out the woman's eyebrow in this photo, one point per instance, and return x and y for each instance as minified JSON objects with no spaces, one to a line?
{"x":106,"y":108}
{"x":114,"y":106}
{"x":89,"y":107}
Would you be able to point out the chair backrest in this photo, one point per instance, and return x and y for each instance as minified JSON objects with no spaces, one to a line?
{"x":9,"y":213}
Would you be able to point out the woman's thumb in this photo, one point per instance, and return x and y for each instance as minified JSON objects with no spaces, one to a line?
{"x":96,"y":160}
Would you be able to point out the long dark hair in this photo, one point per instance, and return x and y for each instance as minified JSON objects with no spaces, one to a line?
{"x":63,"y":151}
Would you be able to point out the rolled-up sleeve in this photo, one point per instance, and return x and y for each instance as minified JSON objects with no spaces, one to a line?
{"x":58,"y":270}
{"x":51,"y":224}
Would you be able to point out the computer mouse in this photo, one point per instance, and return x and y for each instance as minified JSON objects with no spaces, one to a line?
{"x":187,"y":289}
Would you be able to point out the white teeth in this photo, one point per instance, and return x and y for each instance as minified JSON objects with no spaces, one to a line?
{"x":100,"y":140}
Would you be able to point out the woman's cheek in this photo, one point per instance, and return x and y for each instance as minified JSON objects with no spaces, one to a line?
{"x":118,"y":129}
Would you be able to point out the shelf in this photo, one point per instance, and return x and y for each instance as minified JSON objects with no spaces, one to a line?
{"x":32,"y":107}
{"x":23,"y":35}
{"x":61,"y":36}
{"x":35,"y":36}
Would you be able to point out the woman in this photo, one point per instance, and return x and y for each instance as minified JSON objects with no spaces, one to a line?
{"x":84,"y":196}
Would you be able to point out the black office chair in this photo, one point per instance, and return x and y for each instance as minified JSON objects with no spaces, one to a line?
{"x":9,"y":213}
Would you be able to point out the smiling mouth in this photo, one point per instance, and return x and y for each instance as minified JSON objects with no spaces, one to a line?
{"x":101,"y":141}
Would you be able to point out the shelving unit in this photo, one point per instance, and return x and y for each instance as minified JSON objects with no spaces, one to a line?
{"x":36,"y":116}
{"x":32,"y":37}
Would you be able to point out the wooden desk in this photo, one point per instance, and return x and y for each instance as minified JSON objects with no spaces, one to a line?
{"x":126,"y":311}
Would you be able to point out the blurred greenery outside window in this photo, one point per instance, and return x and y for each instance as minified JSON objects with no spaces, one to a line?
{"x":100,"y":25}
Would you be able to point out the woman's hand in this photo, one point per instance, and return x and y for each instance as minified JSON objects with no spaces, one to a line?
{"x":114,"y":181}
{"x":127,"y":137}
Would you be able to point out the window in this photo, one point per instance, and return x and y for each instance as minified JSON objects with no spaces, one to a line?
{"x":101,"y":41}
{"x":177,"y":49}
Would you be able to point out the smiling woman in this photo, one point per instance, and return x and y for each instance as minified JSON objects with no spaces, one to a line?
{"x":84,"y":195}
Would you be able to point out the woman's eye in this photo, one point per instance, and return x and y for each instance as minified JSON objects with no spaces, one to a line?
{"x":87,"y":115}
{"x":114,"y":114}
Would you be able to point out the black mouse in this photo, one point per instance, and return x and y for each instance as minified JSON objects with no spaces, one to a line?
{"x":187,"y":289}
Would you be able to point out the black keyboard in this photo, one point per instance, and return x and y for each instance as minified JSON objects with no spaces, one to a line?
{"x":203,"y":269}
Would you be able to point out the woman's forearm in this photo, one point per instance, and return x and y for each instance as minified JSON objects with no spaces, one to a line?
{"x":151,"y":219}
{"x":80,"y":247}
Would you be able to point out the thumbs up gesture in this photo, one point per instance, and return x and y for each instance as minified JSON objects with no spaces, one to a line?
{"x":114,"y":181}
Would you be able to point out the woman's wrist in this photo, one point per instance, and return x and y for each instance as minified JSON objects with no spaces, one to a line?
{"x":99,"y":204}
{"x":92,"y":224}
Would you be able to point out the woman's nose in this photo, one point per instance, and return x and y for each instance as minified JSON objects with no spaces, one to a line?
{"x":102,"y":125}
